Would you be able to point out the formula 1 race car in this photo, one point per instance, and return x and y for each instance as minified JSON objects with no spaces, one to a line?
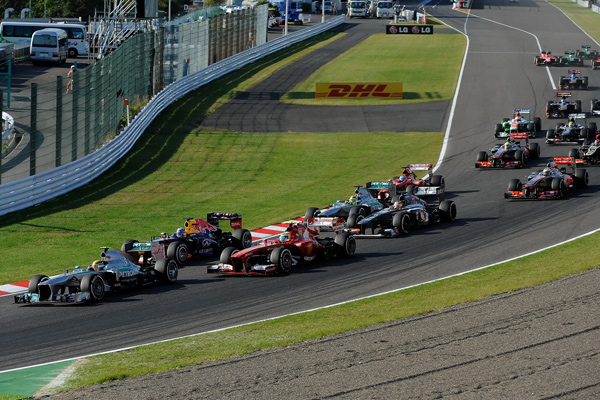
{"x":595,"y":107}
{"x":520,"y":123}
{"x":113,"y":271}
{"x":570,"y":60}
{"x":510,"y":154}
{"x":563,"y":107}
{"x":197,"y":238}
{"x":588,"y":153}
{"x":362,"y":199}
{"x":596,"y":63}
{"x":429,"y":185}
{"x":573,"y":81}
{"x":572,"y":132}
{"x":550,"y":183}
{"x":299,"y":243}
{"x":586,"y":53}
{"x":407,"y":212}
{"x":546,"y":58}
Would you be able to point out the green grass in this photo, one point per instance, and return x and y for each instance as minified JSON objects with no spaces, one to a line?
{"x":397,"y":60}
{"x":178,"y":171}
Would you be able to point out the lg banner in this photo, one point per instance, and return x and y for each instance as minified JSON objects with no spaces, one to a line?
{"x":368,"y":90}
{"x":409,"y":29}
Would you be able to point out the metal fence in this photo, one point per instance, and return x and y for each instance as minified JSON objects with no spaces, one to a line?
{"x":55,"y":182}
{"x":70,"y":118}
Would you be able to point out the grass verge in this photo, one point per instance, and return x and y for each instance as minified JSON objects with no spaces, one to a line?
{"x":398,"y":60}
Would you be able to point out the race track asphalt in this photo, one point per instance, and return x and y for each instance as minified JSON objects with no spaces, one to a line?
{"x":499,"y":76}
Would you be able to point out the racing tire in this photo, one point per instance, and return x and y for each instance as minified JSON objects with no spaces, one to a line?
{"x":531,"y":127}
{"x":515,"y":185}
{"x":548,"y":109}
{"x":482,"y":156}
{"x":536,"y":60}
{"x":401,"y":221}
{"x":593,"y":128}
{"x":559,"y":185}
{"x":166,"y":270}
{"x":438,"y":180}
{"x":94,"y":284}
{"x":345,"y":245}
{"x":127,"y":245}
{"x":505,"y":120}
{"x":519,"y":156}
{"x":499,"y":129}
{"x":574,"y":153}
{"x":448,"y":210}
{"x":582,"y":178}
{"x":242,"y":238}
{"x":412,"y":189}
{"x":44,"y":292}
{"x":312,"y":212}
{"x":353,"y":222}
{"x":534,"y":151}
{"x":585,"y":133}
{"x":577,"y":106}
{"x":226,"y":254}
{"x":178,"y":251}
{"x":550,"y":134}
{"x":537,"y":121}
{"x":282,"y":257}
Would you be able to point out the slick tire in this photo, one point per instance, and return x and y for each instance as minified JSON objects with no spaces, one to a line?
{"x":534,"y":151}
{"x":226,"y":254}
{"x":282,"y":257}
{"x":178,"y":251}
{"x":574,"y":153}
{"x":353,"y":222}
{"x":514,"y":185}
{"x":345,"y":245}
{"x":242,"y":238}
{"x":166,"y":270}
{"x":448,"y":210}
{"x":94,"y":284}
{"x":312,"y":212}
{"x":438,"y":180}
{"x":401,"y":221}
{"x":582,"y":178}
{"x":42,"y":291}
{"x":482,"y":156}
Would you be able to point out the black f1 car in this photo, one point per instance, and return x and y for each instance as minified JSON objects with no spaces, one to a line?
{"x":113,"y":271}
{"x":572,"y":132}
{"x":406,"y":212}
{"x":563,"y":107}
{"x":588,"y":153}
{"x":197,"y":238}
{"x":550,"y":183}
{"x":573,"y":81}
{"x":595,"y":107}
{"x":510,"y":154}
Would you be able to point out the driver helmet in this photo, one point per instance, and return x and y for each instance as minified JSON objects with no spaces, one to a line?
{"x":353,"y":200}
{"x":507,"y":145}
{"x":571,"y":123}
{"x":402,"y":178}
{"x":546,"y":172}
{"x":179,"y":232}
{"x":285,"y":237}
{"x":95,"y":265}
{"x":398,"y":204}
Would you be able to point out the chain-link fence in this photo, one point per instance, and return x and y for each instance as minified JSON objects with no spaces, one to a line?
{"x":73,"y":116}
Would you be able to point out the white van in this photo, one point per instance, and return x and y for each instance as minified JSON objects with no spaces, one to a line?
{"x":49,"y":45}
{"x":357,"y":9}
{"x":385,"y":9}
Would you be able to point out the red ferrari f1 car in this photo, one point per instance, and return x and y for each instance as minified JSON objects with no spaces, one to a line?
{"x":297,"y":244}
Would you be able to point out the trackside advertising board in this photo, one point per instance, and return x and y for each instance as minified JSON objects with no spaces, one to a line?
{"x":363,"y":90}
{"x":409,"y":29}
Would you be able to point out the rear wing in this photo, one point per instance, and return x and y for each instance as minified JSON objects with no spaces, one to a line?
{"x":572,"y":161}
{"x":577,"y":116}
{"x":519,"y":136}
{"x":521,"y":111}
{"x":420,"y":167}
{"x":563,"y":94}
{"x":382,"y":185}
{"x":574,"y":71}
{"x":326,"y":223}
{"x":198,"y":225}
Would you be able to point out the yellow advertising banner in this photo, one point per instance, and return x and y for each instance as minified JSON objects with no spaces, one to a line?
{"x":364,"y":90}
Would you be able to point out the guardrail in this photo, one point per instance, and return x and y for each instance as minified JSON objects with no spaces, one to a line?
{"x":47,"y":185}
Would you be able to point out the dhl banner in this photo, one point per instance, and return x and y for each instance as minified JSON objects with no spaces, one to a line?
{"x":365,"y":90}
